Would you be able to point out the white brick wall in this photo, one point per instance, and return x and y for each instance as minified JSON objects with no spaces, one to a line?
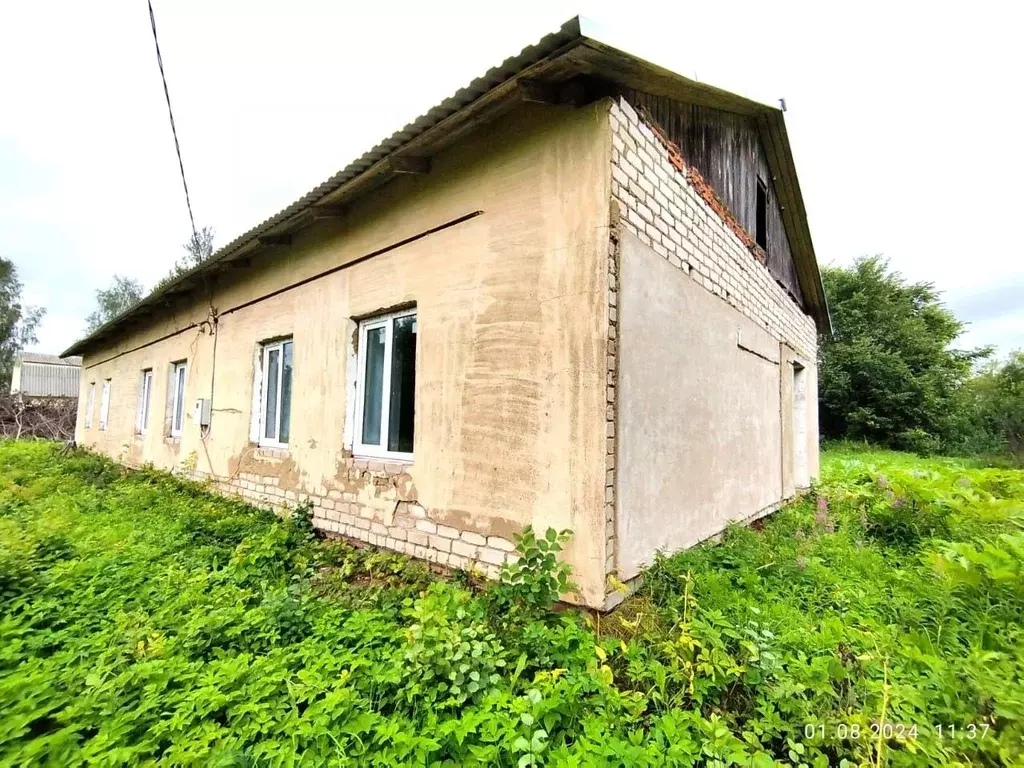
{"x":653,"y":198}
{"x":408,"y":528}
{"x":611,"y":409}
{"x":658,"y":204}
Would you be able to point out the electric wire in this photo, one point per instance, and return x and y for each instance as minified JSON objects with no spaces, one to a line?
{"x":170,"y":114}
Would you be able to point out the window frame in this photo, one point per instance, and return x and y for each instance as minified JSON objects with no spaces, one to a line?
{"x":265,"y":349}
{"x":90,"y":403}
{"x":181,"y":365}
{"x":105,"y":406}
{"x":359,"y":448}
{"x":145,"y":400}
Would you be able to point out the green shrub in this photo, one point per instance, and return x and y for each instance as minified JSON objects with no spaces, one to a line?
{"x":918,"y":441}
{"x":143,"y":621}
{"x":451,"y":656}
{"x":533,"y":582}
{"x":896,"y":515}
{"x":302,"y":521}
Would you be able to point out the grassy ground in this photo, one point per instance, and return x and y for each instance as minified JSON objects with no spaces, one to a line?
{"x":143,"y":621}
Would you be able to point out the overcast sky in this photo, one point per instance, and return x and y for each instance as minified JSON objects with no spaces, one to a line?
{"x":903,"y":121}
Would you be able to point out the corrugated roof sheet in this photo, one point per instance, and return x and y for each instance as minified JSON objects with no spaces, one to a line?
{"x":47,"y":376}
{"x":571,"y":33}
{"x":39,"y":357}
{"x":461,"y":98}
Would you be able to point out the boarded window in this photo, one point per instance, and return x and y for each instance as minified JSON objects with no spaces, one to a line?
{"x":105,"y":404}
{"x":90,"y":402}
{"x":761,"y":227}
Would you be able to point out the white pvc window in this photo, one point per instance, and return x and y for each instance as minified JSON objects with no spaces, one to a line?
{"x":145,"y":396}
{"x":386,"y":386}
{"x":90,"y":402}
{"x":105,"y":404}
{"x":179,"y":374}
{"x":275,"y":394}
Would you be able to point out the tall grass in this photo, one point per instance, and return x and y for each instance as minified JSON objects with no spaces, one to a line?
{"x":142,"y":620}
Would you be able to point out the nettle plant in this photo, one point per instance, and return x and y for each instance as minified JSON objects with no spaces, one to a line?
{"x":534,"y":581}
{"x":302,"y":521}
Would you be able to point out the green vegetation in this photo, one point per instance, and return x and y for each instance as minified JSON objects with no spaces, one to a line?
{"x":18,"y":321}
{"x":889,"y":373}
{"x":997,"y":398}
{"x":122,"y":294}
{"x":145,"y":621}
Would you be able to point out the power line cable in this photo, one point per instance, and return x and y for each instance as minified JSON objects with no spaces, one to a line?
{"x":170,"y":113}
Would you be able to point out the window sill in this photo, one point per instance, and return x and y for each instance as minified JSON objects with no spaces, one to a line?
{"x":172,"y":440}
{"x":370,"y":453}
{"x":386,"y":464}
{"x":404,"y":458}
{"x":272,"y":446}
{"x":271,"y":451}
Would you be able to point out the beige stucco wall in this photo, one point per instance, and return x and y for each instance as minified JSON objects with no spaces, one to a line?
{"x":703,"y":412}
{"x":707,"y":345}
{"x":623,"y":371}
{"x":510,"y":380}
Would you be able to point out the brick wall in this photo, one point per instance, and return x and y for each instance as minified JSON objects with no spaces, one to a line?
{"x":392,"y":519}
{"x":668,"y":206}
{"x":611,"y":408}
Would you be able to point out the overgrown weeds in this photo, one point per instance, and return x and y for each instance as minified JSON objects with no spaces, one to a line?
{"x":143,"y":620}
{"x":887,"y":602}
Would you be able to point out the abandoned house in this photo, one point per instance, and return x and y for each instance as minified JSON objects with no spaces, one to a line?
{"x":580,"y":293}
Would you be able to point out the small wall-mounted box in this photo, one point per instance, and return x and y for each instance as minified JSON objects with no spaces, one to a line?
{"x":202,"y":413}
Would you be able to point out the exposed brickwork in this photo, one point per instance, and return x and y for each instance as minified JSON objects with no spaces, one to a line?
{"x":399,"y":525}
{"x":666,"y":204}
{"x":611,"y":407}
{"x":703,"y":188}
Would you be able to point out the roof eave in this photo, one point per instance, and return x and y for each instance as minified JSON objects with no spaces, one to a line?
{"x":481,"y":89}
{"x":571,"y":50}
{"x":772,"y":127}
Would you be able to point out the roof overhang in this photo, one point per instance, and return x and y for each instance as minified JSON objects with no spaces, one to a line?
{"x":540,"y":72}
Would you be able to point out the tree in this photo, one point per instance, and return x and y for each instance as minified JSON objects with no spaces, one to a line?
{"x":111,"y":302}
{"x":998,"y":392}
{"x":889,"y":374}
{"x":18,"y":323}
{"x":198,"y":249}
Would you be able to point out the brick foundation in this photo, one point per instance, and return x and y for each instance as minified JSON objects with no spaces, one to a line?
{"x":394,"y":520}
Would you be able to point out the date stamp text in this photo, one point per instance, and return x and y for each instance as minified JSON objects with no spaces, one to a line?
{"x":898,"y":731}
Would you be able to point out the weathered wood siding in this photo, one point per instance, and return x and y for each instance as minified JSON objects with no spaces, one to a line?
{"x":725,"y":148}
